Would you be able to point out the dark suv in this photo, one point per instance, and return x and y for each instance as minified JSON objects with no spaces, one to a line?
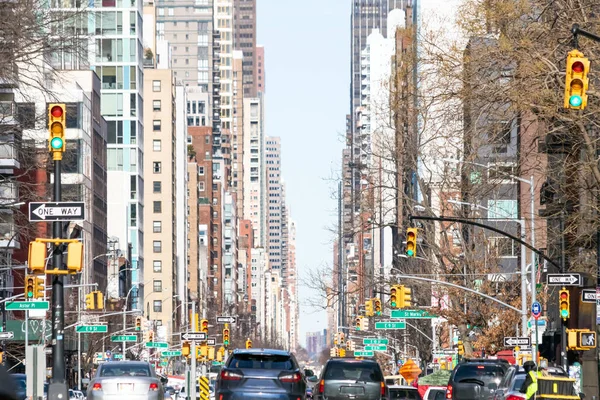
{"x":347,"y":378}
{"x":476,"y":379}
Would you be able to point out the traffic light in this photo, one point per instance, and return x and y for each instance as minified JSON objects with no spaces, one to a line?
{"x":99,"y":296}
{"x":411,"y":242}
{"x":377,"y":306}
{"x":226,"y":337}
{"x":405,"y":296}
{"x":248,"y":344}
{"x":36,"y":258}
{"x":364,"y":324}
{"x":185,"y":349}
{"x":39,"y":288}
{"x":342,"y":338}
{"x":332,"y":352}
{"x":576,"y":82}
{"x":369,"y":308}
{"x":394,"y":290}
{"x":565,"y":303}
{"x":342,"y":352}
{"x":151,"y":336}
{"x":89,"y":301}
{"x":461,"y":348}
{"x":358,"y":322}
{"x":219,"y":356}
{"x":211,"y":353}
{"x":204,"y":326}
{"x":138,"y":325}
{"x":29,"y":286}
{"x":57,"y":117}
{"x":74,"y":256}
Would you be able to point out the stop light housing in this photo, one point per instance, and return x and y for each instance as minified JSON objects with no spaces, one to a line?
{"x":342,"y":352}
{"x":138,"y":324}
{"x":204,"y":326}
{"x":377,"y":307}
{"x":411,"y":242}
{"x":29,"y":286}
{"x":576,"y":81}
{"x":74,"y":256}
{"x":364,"y":324}
{"x":461,"y":348}
{"x":358,"y":323}
{"x":89,"y":301}
{"x":405,"y":296}
{"x":185,"y":349}
{"x":565,"y":303}
{"x":394,"y":296}
{"x":39,"y":288}
{"x":57,"y":123}
{"x":36,"y":259}
{"x":226,"y":337}
{"x":369,"y":308}
{"x":248,"y":344}
{"x":342,"y":338}
{"x":151,"y":336}
{"x":99,"y":299}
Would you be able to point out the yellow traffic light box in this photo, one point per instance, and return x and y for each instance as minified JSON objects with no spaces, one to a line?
{"x":369,"y":308}
{"x":565,"y":303}
{"x":74,"y":256}
{"x":36,"y":259}
{"x":411,"y":242}
{"x":57,"y":118}
{"x":576,"y":80}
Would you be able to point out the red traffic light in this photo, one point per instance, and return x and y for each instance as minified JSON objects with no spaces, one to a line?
{"x":56,"y":111}
{"x":564,"y":295}
{"x":577,"y":67}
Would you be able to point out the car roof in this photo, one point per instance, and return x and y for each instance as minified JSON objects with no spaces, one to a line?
{"x":485,"y":360}
{"x":402,"y":387}
{"x":262,"y":351}
{"x":352,"y":360}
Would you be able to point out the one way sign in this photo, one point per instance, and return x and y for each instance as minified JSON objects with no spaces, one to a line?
{"x":588,"y":295}
{"x":517,"y":341}
{"x":564,"y":279}
{"x":57,"y":211}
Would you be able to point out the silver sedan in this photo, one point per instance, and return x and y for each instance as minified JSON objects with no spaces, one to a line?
{"x":130,"y":380}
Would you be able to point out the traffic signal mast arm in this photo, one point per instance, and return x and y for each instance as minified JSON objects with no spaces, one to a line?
{"x":576,"y":30}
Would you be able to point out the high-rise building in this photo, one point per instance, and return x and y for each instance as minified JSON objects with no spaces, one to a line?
{"x":237,"y":134}
{"x":275,"y":202}
{"x":244,"y":30}
{"x":261,"y":83}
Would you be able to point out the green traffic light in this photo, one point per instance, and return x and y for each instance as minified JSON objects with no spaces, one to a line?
{"x":564,"y":313}
{"x":410,"y":253}
{"x":56,"y":143}
{"x":393,"y":304}
{"x":29,"y":294}
{"x":575,"y":100}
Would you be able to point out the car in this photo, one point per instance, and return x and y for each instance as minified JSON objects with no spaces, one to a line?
{"x":404,"y":392}
{"x":476,"y":379}
{"x":509,"y":387}
{"x":126,"y":379}
{"x":21,"y":385}
{"x":309,"y":393}
{"x":261,"y":373}
{"x":344,"y":378}
{"x":435,"y":393}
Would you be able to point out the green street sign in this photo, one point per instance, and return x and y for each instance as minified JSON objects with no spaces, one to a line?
{"x":27,"y":305}
{"x":175,"y":353}
{"x":123,"y":338}
{"x":375,"y":341}
{"x":376,"y":347}
{"x":164,"y":364}
{"x":92,"y":328}
{"x":390,"y":325}
{"x":412,"y":314}
{"x":118,"y":356}
{"x":157,"y":345}
{"x":363,"y":354}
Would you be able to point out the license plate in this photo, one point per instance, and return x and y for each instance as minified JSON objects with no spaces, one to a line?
{"x":352,"y":390}
{"x":125,"y":387}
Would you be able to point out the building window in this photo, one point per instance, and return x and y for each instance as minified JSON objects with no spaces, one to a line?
{"x":157,"y":286}
{"x":201,"y":186}
{"x":157,"y":246}
{"x":156,"y":105}
{"x":157,"y":186}
{"x":502,"y":247}
{"x":156,"y":125}
{"x":200,"y":170}
{"x":156,"y":86}
{"x":157,"y":226}
{"x":157,"y":206}
{"x":157,"y":266}
{"x":156,"y":167}
{"x":157,"y":305}
{"x":502,"y":209}
{"x":156,"y":145}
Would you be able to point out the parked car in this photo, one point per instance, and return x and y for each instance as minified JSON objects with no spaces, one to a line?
{"x":476,"y":379}
{"x":435,"y":393}
{"x":344,"y":378}
{"x":117,"y":380}
{"x":21,"y":385}
{"x":509,"y":387}
{"x":404,"y":392}
{"x":261,"y":373}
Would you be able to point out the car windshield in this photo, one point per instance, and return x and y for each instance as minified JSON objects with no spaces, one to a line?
{"x":518,"y":382}
{"x":484,"y":373}
{"x":117,"y":369}
{"x":365,"y":372}
{"x":262,"y":361}
{"x":408,"y":394}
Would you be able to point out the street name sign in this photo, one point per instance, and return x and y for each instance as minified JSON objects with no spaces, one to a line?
{"x":118,"y":356}
{"x":123,"y":338}
{"x":211,"y":341}
{"x":175,"y":353}
{"x":411,"y":314}
{"x":27,"y":305}
{"x":588,"y":295}
{"x":376,"y":347}
{"x":194,"y":336}
{"x":536,"y":310}
{"x":92,"y":328}
{"x":363,"y":354}
{"x":7,"y":335}
{"x":157,"y":345}
{"x":573,"y":279}
{"x":226,"y":320}
{"x":375,"y":341}
{"x":57,"y":211}
{"x":517,"y":341}
{"x":390,"y":325}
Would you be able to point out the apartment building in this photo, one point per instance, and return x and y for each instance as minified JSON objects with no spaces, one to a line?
{"x":275,"y":202}
{"x":261,"y":83}
{"x":244,"y":29}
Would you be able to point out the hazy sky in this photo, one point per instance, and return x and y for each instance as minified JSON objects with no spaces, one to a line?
{"x":307,"y":60}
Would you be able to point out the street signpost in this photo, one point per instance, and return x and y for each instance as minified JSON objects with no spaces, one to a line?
{"x":390,"y":325}
{"x":411,"y":314}
{"x":194,"y":336}
{"x":517,"y":341}
{"x":57,"y":211}
{"x":211,"y":341}
{"x":569,"y":279}
{"x":118,"y":356}
{"x":123,"y":338}
{"x":536,"y":310}
{"x":376,"y":347}
{"x":7,"y":335}
{"x":27,"y":305}
{"x":175,"y":353}
{"x":226,"y":320}
{"x":588,"y":295}
{"x":364,"y":354}
{"x":92,"y":328}
{"x":157,"y":345}
{"x":375,"y":341}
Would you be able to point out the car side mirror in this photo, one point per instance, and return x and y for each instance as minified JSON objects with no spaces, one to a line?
{"x":164,"y":380}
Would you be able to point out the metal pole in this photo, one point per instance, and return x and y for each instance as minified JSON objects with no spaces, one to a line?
{"x":79,"y":340}
{"x":563,"y":336}
{"x":58,"y":315}
{"x":124,"y":328}
{"x":533,"y":263}
{"x":3,"y":305}
{"x":523,"y":281}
